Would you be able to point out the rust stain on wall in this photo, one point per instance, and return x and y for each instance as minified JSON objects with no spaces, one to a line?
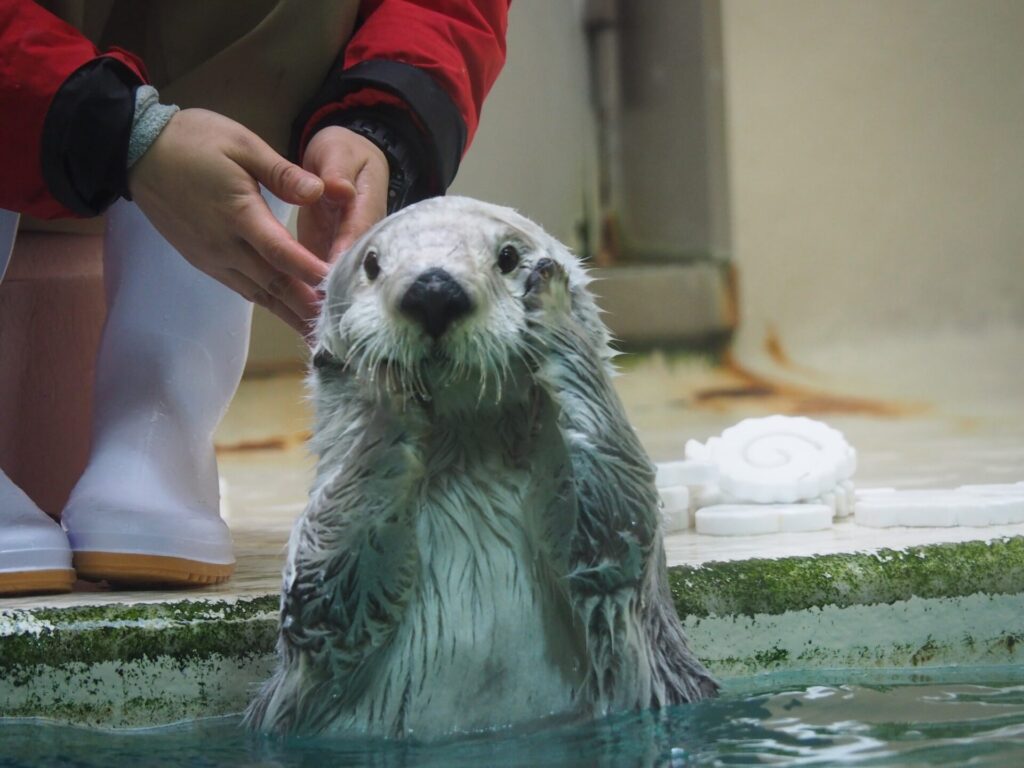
{"x":793,"y":399}
{"x":773,"y":346}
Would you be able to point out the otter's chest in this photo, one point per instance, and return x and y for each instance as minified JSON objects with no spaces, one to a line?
{"x":489,"y":635}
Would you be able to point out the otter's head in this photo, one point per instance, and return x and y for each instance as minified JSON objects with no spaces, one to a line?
{"x":432,"y":298}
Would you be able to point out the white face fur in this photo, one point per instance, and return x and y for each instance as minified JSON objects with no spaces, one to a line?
{"x":487,"y":250}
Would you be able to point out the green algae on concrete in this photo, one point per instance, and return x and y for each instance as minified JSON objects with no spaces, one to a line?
{"x":975,"y":630}
{"x":134,"y":665}
{"x":140,"y":664}
{"x":749,"y":587}
{"x":137,"y":693}
{"x":185,"y":629}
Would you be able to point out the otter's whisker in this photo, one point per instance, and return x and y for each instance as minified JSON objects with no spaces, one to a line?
{"x":482,"y":367}
{"x":497,"y":366}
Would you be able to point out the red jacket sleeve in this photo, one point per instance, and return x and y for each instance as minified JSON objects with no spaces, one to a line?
{"x":459,"y":43}
{"x":38,"y":52}
{"x":423,"y":68}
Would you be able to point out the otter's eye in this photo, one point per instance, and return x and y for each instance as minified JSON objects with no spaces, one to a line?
{"x":508,"y":259}
{"x":370,"y":265}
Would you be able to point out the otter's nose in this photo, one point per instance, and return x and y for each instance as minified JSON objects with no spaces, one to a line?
{"x":434,"y":301}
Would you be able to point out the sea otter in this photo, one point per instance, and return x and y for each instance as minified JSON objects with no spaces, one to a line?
{"x":481,"y":546}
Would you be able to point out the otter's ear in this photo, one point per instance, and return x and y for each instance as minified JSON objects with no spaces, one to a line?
{"x":324,"y":359}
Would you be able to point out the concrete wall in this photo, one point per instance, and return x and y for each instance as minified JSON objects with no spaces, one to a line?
{"x":535,"y":149}
{"x":876,"y":155}
{"x":873,"y":149}
{"x":673,"y":200}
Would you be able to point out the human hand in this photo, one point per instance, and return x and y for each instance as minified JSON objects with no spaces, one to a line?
{"x":197,"y":184}
{"x":355,"y":175}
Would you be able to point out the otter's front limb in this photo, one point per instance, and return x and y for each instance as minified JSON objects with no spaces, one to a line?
{"x":617,"y":524}
{"x":617,"y":575}
{"x":352,"y":563}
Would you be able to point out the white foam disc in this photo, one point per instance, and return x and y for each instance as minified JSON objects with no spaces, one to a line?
{"x":675,"y":497}
{"x":846,"y":497}
{"x":704,"y":496}
{"x":995,"y":489}
{"x":689,"y":472}
{"x":675,"y":508}
{"x":830,"y":500}
{"x":938,"y":509}
{"x":752,"y":519}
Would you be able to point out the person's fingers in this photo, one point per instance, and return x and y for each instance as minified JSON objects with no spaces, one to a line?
{"x":355,"y":174}
{"x":315,"y":230}
{"x":318,"y":224}
{"x":298,"y":297}
{"x":249,"y":289}
{"x":367,"y":208}
{"x":339,"y":190}
{"x":285,"y":179}
{"x":272,"y":241}
{"x":331,"y":211}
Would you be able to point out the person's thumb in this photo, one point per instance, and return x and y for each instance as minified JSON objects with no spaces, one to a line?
{"x":365,"y":203}
{"x":360,"y":216}
{"x":286,"y":180}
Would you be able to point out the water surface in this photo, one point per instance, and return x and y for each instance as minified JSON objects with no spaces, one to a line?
{"x":952,"y":717}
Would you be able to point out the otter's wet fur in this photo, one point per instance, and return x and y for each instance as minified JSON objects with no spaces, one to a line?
{"x":481,"y":546}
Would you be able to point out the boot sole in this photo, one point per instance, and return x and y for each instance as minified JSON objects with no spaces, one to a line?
{"x":149,"y":570}
{"x":36,"y":582}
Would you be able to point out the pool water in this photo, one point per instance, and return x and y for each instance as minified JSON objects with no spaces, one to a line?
{"x":914,"y":719}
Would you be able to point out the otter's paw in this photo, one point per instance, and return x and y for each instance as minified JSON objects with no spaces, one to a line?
{"x":547,"y":288}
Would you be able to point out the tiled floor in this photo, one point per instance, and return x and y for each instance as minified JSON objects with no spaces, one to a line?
{"x":933,"y":413}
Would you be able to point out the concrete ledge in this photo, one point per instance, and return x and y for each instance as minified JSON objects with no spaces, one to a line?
{"x":980,"y":629}
{"x":751,"y":587}
{"x":947,"y":604}
{"x":135,"y":665}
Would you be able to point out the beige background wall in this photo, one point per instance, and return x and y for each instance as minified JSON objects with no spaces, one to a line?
{"x":876,"y":156}
{"x":535,"y":148}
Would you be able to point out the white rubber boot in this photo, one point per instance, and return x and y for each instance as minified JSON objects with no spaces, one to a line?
{"x":146,"y":509}
{"x":34,"y":552}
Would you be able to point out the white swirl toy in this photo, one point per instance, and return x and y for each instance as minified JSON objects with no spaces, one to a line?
{"x":781,"y":459}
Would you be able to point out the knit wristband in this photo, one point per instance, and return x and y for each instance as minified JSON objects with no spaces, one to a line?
{"x":150,"y":118}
